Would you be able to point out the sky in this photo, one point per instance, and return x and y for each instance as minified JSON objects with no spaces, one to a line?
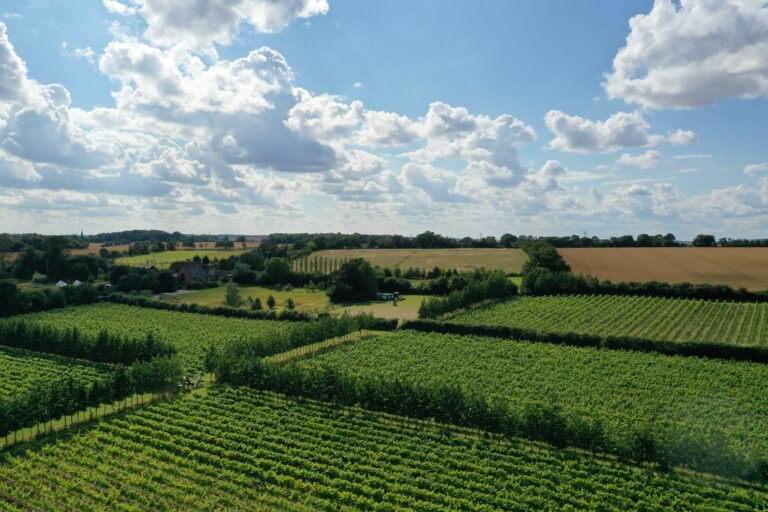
{"x":469,"y":118}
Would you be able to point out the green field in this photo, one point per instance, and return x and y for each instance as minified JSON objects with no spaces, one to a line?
{"x":509,"y":260}
{"x":690,"y":399}
{"x":407,"y":308}
{"x":305,"y":300}
{"x":163,"y":260}
{"x":240,"y":450}
{"x":652,"y":318}
{"x":20,"y":370}
{"x":191,"y":334}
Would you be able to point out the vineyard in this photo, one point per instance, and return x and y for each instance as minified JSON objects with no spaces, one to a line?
{"x":240,"y":450}
{"x":641,"y":317}
{"x":509,"y":260}
{"x":704,"y":412}
{"x":21,"y":370}
{"x":191,"y":334}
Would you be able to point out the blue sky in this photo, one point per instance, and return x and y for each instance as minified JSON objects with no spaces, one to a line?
{"x":541,"y":117}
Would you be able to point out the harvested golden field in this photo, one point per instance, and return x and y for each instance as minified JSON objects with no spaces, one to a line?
{"x":509,"y":260}
{"x":734,"y":266}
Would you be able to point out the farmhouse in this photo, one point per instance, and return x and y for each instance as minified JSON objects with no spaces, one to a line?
{"x":190,"y":272}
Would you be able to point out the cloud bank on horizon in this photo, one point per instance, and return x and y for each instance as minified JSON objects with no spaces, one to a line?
{"x":199,"y":142}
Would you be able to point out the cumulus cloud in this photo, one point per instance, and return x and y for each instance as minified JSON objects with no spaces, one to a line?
{"x":755,"y":169}
{"x":240,"y":107}
{"x":201,"y":24}
{"x":577,"y":134}
{"x":455,"y":133}
{"x":13,"y":71}
{"x":682,"y":137}
{"x":648,"y":160}
{"x":693,"y":53}
{"x":17,"y":173}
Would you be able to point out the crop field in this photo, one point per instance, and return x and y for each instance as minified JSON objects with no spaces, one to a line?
{"x":191,"y":334}
{"x":163,"y":260}
{"x":305,"y":300}
{"x":721,"y":402}
{"x":741,"y":323}
{"x":20,"y":370}
{"x":509,"y":260}
{"x":241,"y":450}
{"x":734,"y":266}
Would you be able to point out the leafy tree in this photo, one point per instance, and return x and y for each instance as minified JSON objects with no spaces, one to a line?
{"x":277,"y":271}
{"x":232,"y":296}
{"x":354,"y":281}
{"x":290,"y":304}
{"x":130,"y":282}
{"x":704,"y":241}
{"x":271,"y":302}
{"x":508,"y":240}
{"x":256,"y":306}
{"x":544,"y":255}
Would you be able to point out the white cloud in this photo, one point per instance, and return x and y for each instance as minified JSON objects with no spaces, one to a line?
{"x":117,"y":7}
{"x":86,"y":53}
{"x":454,"y":133}
{"x":13,"y":71}
{"x":693,"y":53}
{"x":199,"y":24}
{"x":648,"y":160}
{"x":620,"y":131}
{"x":755,"y":169}
{"x":438,"y":184}
{"x":682,"y":137}
{"x":17,"y":173}
{"x":358,"y":85}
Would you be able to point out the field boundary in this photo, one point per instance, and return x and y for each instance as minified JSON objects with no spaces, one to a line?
{"x":711,"y":350}
{"x":319,"y":347}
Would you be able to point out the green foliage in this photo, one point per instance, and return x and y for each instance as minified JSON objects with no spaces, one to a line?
{"x":271,"y":302}
{"x":242,"y":450}
{"x":668,"y":410}
{"x":277,"y":271}
{"x":189,"y":334}
{"x":355,"y":280}
{"x":739,"y":323}
{"x":36,"y":388}
{"x":543,"y":255}
{"x":21,"y":369}
{"x":28,"y":332}
{"x":232,"y":296}
{"x":480,"y":287}
{"x":704,"y":241}
{"x":290,"y":304}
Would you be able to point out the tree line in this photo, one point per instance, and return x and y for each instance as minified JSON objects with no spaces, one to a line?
{"x":656,"y":443}
{"x":547,"y":273}
{"x":711,"y":350}
{"x":480,"y":286}
{"x":104,"y":348}
{"x":47,"y":400}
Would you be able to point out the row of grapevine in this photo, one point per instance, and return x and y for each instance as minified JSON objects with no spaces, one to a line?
{"x":241,"y":450}
{"x":21,"y":370}
{"x":318,"y":264}
{"x":193,"y":336}
{"x":707,"y":414}
{"x":653,"y":318}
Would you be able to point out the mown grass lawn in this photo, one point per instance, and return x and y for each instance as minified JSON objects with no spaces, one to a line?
{"x":305,"y":300}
